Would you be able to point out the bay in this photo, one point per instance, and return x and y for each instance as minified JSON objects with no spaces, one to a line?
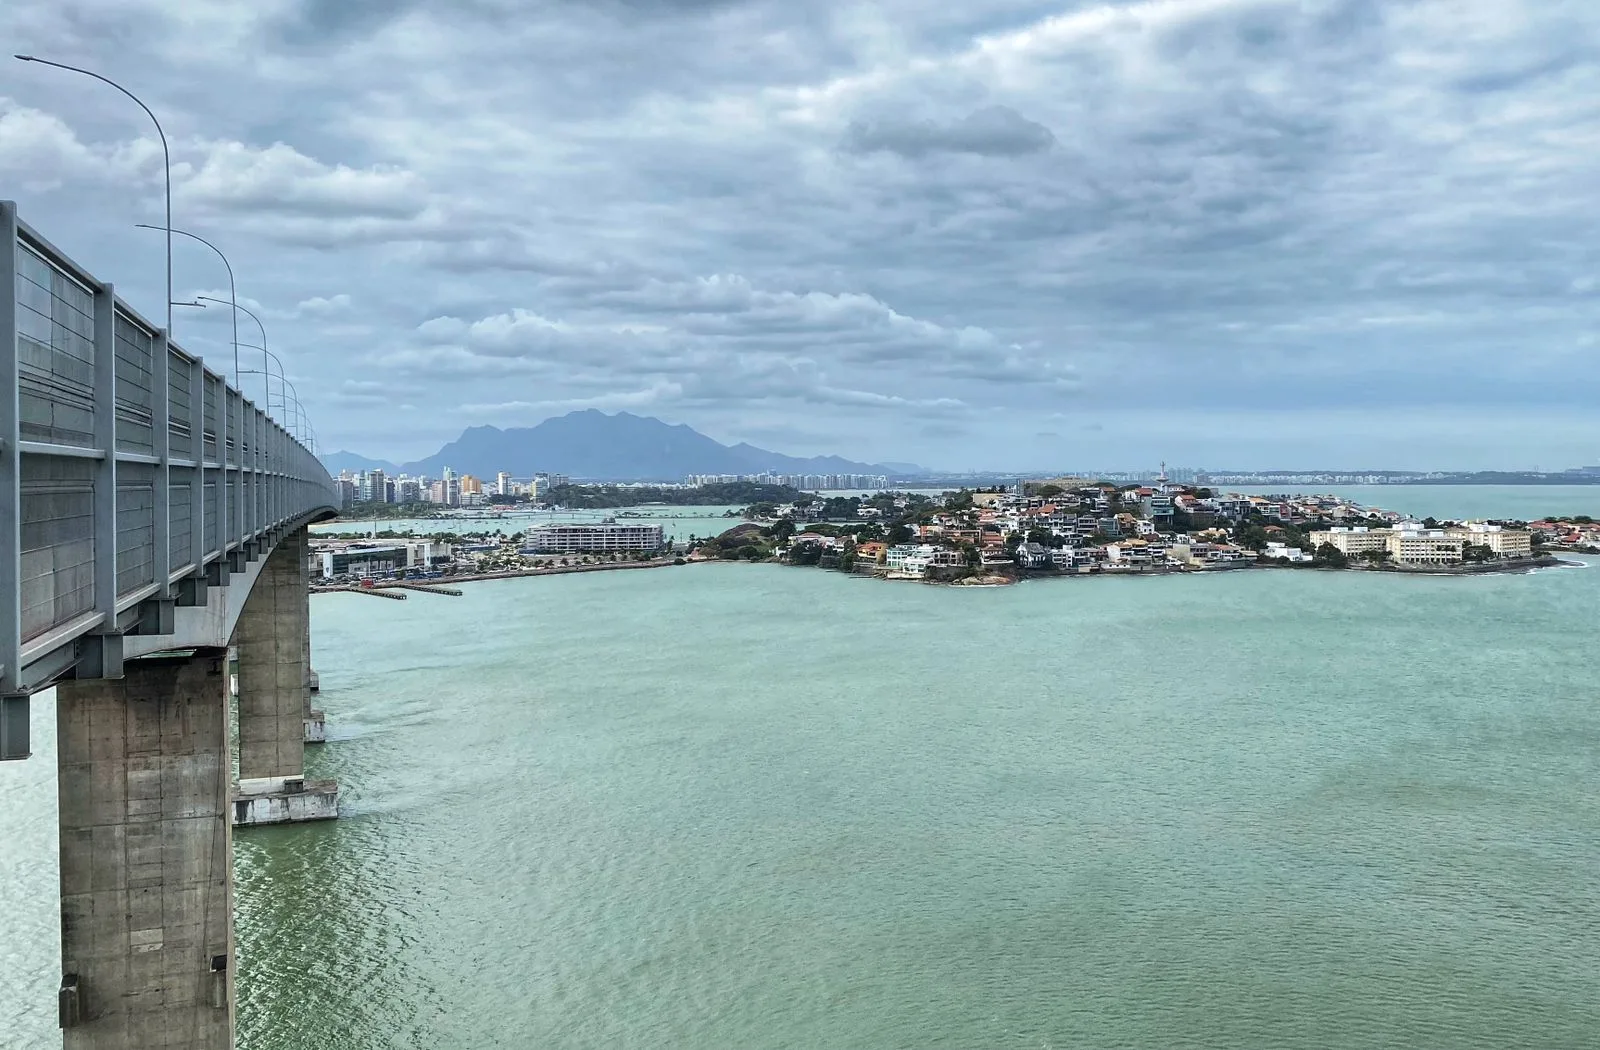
{"x":754,"y":806}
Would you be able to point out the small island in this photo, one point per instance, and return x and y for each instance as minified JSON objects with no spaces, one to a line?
{"x":1080,"y":527}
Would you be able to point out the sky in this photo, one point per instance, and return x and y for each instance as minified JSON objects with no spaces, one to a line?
{"x":998,"y":234}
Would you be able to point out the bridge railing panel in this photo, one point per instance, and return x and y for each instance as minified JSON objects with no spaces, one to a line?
{"x":58,"y":548}
{"x":55,"y":353}
{"x":125,"y":463}
{"x":135,"y":399}
{"x":136,"y":527}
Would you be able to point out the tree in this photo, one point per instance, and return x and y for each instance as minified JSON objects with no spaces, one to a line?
{"x":1013,"y":541}
{"x":899,"y":532}
{"x":1047,"y":490}
{"x":750,"y":552}
{"x":1375,"y":556}
{"x":1330,"y":557}
{"x":783,"y":530}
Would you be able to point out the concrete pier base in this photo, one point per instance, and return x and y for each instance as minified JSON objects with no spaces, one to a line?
{"x":284,"y":800}
{"x":316,"y":727}
{"x":146,"y":857}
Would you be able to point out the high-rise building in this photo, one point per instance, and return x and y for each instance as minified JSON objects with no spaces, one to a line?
{"x":375,"y":487}
{"x":471,"y":486}
{"x":502,"y":483}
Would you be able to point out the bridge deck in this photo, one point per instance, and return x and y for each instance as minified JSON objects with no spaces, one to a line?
{"x":129,"y":472}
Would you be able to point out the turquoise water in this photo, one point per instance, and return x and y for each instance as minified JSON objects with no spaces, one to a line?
{"x":754,"y":806}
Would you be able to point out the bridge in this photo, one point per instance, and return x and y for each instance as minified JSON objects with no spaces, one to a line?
{"x":152,"y":519}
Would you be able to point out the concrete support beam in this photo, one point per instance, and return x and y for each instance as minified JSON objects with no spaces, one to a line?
{"x":271,"y":640}
{"x":274,"y":705}
{"x":316,"y":722}
{"x":146,"y":857}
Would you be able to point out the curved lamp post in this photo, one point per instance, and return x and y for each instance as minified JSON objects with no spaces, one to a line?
{"x":231,"y":292}
{"x":302,"y":421}
{"x":166,"y":155}
{"x":251,"y":314}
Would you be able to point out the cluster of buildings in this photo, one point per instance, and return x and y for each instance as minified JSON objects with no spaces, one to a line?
{"x":808,"y":482}
{"x":1582,"y":533}
{"x":1412,"y":543}
{"x":448,"y":490}
{"x":1070,"y":524}
{"x":360,"y":558}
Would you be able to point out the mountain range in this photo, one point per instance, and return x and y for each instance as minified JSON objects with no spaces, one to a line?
{"x":592,"y":445}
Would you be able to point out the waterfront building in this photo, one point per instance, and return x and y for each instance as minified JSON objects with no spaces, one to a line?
{"x":1408,"y":543}
{"x":363,"y":558}
{"x":502,"y":484}
{"x":606,"y":537}
{"x":1283,"y":552}
{"x":1351,"y":540}
{"x":1420,"y":546}
{"x":916,"y":558}
{"x":1507,"y":543}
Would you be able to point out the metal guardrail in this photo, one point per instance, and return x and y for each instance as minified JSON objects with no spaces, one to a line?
{"x":126,"y":466}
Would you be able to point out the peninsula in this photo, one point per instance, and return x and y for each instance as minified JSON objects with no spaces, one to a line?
{"x":1079,"y":526}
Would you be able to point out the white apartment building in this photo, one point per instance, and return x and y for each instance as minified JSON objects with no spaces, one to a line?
{"x":1408,"y":543}
{"x":1416,"y":546}
{"x":1284,"y":552}
{"x":605,"y":538}
{"x":915,"y":558}
{"x":1507,"y":543}
{"x":1352,"y":540}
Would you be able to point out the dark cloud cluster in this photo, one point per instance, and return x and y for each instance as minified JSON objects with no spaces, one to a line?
{"x":1003,"y":233}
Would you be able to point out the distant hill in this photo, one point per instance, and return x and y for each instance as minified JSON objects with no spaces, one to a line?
{"x":337,"y":461}
{"x":621,"y":447}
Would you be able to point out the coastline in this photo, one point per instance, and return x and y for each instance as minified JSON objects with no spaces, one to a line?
{"x":507,"y":574}
{"x":1003,"y":578}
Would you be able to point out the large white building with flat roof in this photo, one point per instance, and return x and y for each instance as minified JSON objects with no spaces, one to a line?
{"x":605,"y":538}
{"x":1410,"y":543}
{"x":1507,"y":543}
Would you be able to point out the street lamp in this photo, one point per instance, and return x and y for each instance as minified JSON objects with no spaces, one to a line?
{"x":262,"y":347}
{"x":268,"y":359}
{"x":301,"y":422}
{"x":165,"y":154}
{"x":226,"y":263}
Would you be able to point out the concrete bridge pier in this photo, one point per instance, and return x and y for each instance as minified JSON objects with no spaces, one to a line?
{"x":271,"y":637}
{"x":147,"y":857}
{"x":316,"y":721}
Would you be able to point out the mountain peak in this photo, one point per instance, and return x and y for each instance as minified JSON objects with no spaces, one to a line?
{"x":592,"y":445}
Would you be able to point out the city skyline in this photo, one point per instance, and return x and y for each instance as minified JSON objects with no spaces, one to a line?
{"x":1014,"y":234}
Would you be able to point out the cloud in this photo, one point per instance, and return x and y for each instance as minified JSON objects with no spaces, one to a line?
{"x":280,"y":180}
{"x":914,"y":231}
{"x":994,"y":131}
{"x":323,"y":306}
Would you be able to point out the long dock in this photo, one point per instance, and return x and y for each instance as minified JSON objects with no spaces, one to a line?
{"x":423,"y":588}
{"x":374,"y":591}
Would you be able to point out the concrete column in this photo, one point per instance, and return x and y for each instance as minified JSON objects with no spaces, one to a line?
{"x":272,"y":670}
{"x":147,"y":857}
{"x":273,"y":705}
{"x":316,"y":721}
